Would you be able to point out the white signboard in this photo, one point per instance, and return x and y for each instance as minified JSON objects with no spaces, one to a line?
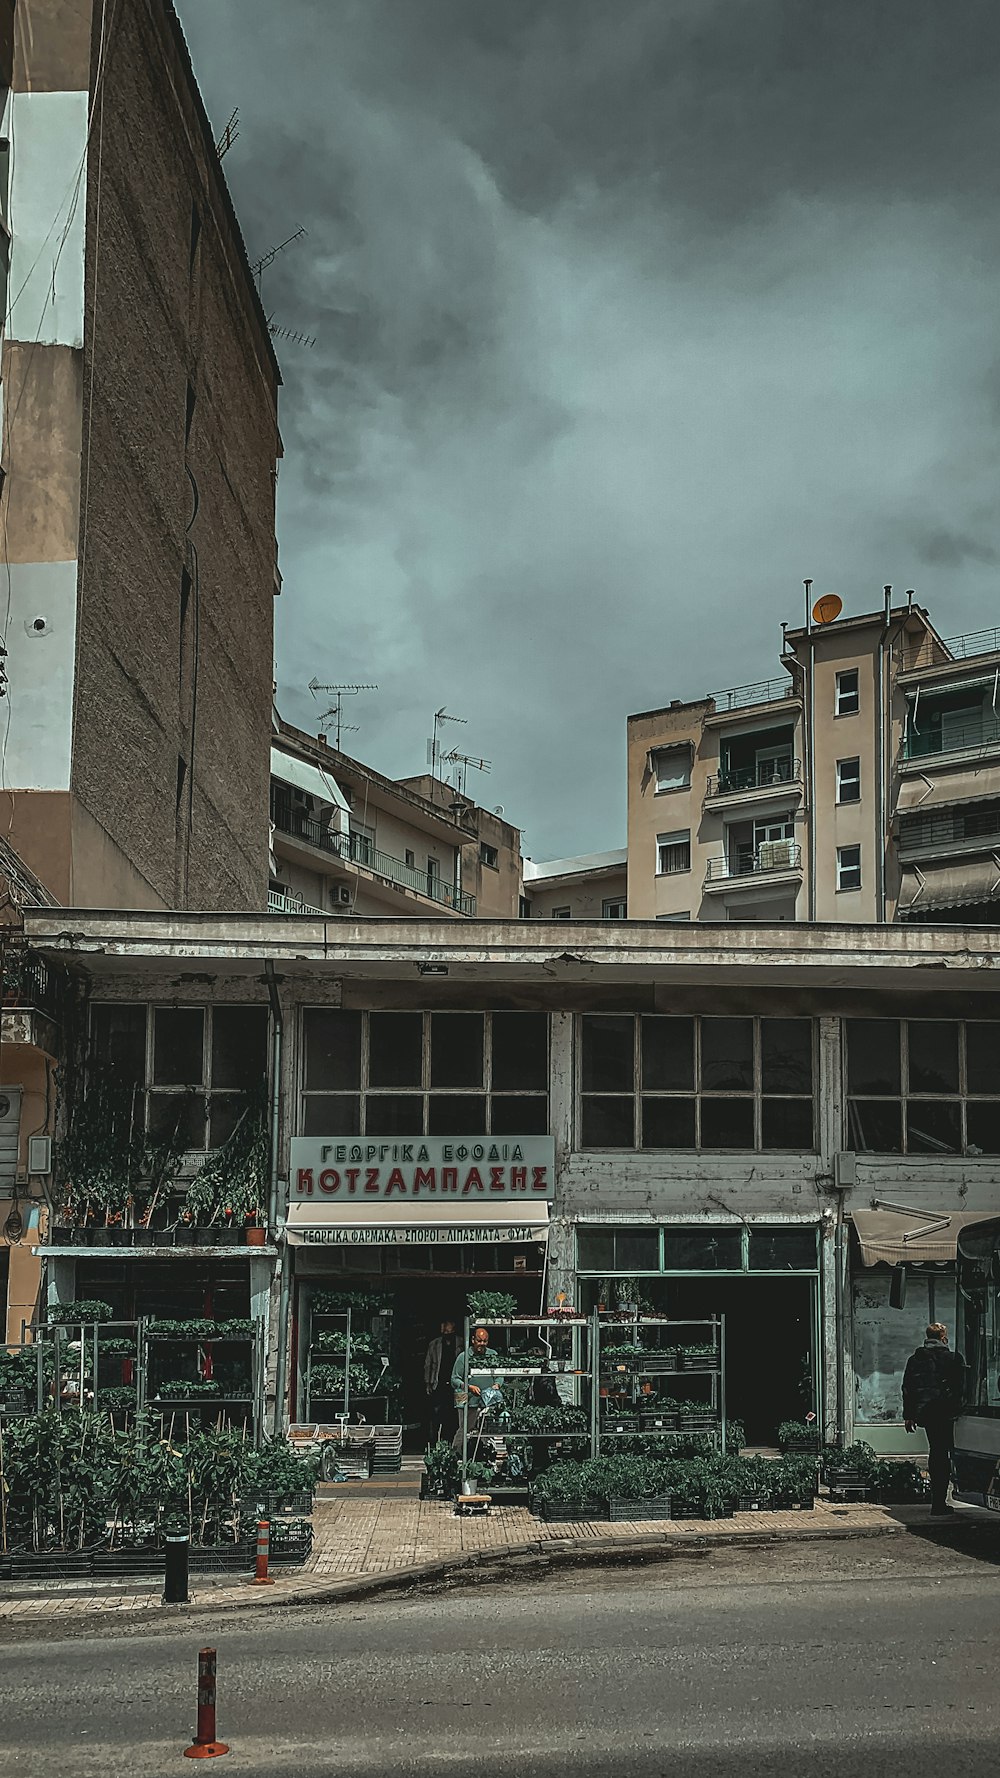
{"x":422,"y":1169}
{"x":428,"y":1235}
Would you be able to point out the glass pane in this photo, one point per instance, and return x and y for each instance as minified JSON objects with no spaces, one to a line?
{"x":457,"y":1114}
{"x":395,"y":1049}
{"x":520,"y":1052}
{"x":608,"y":1123}
{"x":608,"y":1060}
{"x":983,"y":1127}
{"x":982,"y":1056}
{"x":873,"y":1056}
{"x":595,"y":1251}
{"x":727,"y":1056}
{"x":786,"y":1055}
{"x":224,"y":1113}
{"x":178,"y":1115}
{"x":875,"y":1126}
{"x":239,"y":1046}
{"x":933,"y":1047}
{"x":703,"y":1250}
{"x":333,"y":1048}
{"x":667,"y":1055}
{"x":637,"y":1250}
{"x":782,"y":1250}
{"x":786,"y":1123}
{"x":668,"y":1123}
{"x":178,"y":1056}
{"x":118,"y":1040}
{"x":456,"y":1050}
{"x":727,"y":1123}
{"x":331,"y":1114}
{"x":515,"y":1114}
{"x":934,"y":1126}
{"x":394,"y":1114}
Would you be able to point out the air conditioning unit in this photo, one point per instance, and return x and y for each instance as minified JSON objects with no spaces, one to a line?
{"x":341,"y":896}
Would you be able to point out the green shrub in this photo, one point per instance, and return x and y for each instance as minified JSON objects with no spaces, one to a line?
{"x":491,"y":1305}
{"x":85,"y":1311}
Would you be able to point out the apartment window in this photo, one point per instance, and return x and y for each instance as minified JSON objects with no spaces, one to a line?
{"x":488,"y":855}
{"x":615,"y":909}
{"x":671,"y":768}
{"x":410,"y":859}
{"x":848,"y":867}
{"x":417,"y":1073}
{"x":923,"y":1086}
{"x":194,"y":1068}
{"x":560,"y":914}
{"x":848,"y":693}
{"x":523,"y":908}
{"x":660,"y":1082}
{"x":849,"y":781}
{"x":673,"y":853}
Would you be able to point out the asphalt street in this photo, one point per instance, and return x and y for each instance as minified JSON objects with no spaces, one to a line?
{"x":866,"y":1659}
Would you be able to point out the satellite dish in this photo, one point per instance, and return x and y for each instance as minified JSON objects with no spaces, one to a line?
{"x":827,"y":609}
{"x":499,"y":809}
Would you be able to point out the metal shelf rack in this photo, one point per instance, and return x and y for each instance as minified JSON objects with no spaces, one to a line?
{"x":633,"y":1371}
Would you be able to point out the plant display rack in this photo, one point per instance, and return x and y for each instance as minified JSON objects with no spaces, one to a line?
{"x":567,"y":1340}
{"x":341,"y":1340}
{"x":172,"y":1384}
{"x":630,"y":1351}
{"x":98,"y":1363}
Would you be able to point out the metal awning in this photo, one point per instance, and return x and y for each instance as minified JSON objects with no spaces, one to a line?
{"x":916,"y":1236}
{"x":361,"y":1224}
{"x":312,"y":779}
{"x":952,"y":885}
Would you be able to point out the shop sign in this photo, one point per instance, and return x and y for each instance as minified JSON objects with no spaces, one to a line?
{"x":428,"y":1235}
{"x":422,"y":1169}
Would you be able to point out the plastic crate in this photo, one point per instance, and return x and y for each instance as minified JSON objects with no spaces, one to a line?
{"x":623,"y":1511}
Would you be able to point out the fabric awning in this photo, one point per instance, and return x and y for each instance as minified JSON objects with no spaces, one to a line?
{"x":918,"y":1236}
{"x":312,"y":779}
{"x":372,"y":1224}
{"x":952,"y":885}
{"x":936,"y":786}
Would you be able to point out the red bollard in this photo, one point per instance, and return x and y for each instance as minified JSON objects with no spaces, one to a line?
{"x":261,"y":1577}
{"x":205,"y":1746}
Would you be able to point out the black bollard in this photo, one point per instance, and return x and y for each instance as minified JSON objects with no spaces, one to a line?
{"x":175,"y":1574}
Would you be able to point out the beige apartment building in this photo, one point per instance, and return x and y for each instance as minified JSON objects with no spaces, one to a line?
{"x":591,"y":887}
{"x":861,"y":786}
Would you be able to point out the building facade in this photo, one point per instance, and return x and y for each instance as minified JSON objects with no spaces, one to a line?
{"x":861,"y":786}
{"x":139,"y":452}
{"x":592,"y":887}
{"x":759,"y":1128}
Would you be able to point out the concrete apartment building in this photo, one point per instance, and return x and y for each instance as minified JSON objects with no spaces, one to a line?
{"x":862,"y":786}
{"x":591,"y":887}
{"x":139,"y":453}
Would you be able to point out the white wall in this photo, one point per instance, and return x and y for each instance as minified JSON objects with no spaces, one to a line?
{"x":48,"y":206}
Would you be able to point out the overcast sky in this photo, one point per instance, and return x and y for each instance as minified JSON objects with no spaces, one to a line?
{"x":630,"y":314}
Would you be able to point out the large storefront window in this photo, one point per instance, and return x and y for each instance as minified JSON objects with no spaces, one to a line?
{"x":610,"y":1249}
{"x":884,"y":1337}
{"x":417,"y":1073}
{"x":193,"y":1067}
{"x":660,"y":1082}
{"x":923,"y":1086}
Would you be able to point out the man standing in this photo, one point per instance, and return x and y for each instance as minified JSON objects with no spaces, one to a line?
{"x":437,"y":1381}
{"x":482,"y":1388}
{"x":934,"y":1388}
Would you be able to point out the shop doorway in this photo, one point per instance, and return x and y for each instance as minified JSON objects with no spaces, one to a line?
{"x":770,"y":1362}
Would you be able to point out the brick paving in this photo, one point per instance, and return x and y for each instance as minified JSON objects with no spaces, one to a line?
{"x":373,"y":1530}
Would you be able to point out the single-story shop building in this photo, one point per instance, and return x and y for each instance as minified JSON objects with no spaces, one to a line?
{"x":760,"y":1123}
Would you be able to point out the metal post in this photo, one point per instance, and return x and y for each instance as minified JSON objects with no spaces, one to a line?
{"x":205,"y":1746}
{"x":175,"y":1570}
{"x":347,"y":1370}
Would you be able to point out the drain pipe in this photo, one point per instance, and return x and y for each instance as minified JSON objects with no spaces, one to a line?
{"x":284,"y":1300}
{"x":809,"y":721}
{"x":881,"y":700}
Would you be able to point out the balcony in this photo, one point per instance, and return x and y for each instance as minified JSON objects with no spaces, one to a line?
{"x":278,"y":902}
{"x":979,"y":734}
{"x":760,"y":691}
{"x":746,"y":865}
{"x":356,"y":849}
{"x":766,"y":775}
{"x":959,"y":648}
{"x":950,"y":832}
{"x":32,"y":1002}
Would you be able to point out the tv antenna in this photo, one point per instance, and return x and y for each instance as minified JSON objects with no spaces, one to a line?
{"x":433,"y":745}
{"x":287,"y":333}
{"x":465,"y":764}
{"x":336,"y":710}
{"x":229,"y":135}
{"x":266,"y":259}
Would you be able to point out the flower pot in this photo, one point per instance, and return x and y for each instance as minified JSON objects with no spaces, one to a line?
{"x":143,"y":1237}
{"x":184,"y":1235}
{"x":256,"y":1237}
{"x":228,"y":1236}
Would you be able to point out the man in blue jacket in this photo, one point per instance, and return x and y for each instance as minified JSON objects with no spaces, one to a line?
{"x":934,"y":1391}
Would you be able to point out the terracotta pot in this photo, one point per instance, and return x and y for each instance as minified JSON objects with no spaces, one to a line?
{"x":256,"y":1237}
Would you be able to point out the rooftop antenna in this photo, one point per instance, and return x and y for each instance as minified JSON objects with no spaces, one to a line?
{"x":229,"y":135}
{"x":465,"y":763}
{"x":340,"y":692}
{"x":267,"y":258}
{"x":293,"y":338}
{"x":433,"y":745}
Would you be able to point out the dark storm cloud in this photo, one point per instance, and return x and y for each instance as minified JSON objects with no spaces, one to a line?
{"x":629,"y":316}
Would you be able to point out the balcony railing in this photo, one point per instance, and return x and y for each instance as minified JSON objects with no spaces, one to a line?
{"x":976,"y":735}
{"x":29,"y":983}
{"x":750,"y":861}
{"x":961,"y":830}
{"x":765,"y":775}
{"x":761,"y":691}
{"x":279,"y":903}
{"x":960,"y":648}
{"x":356,"y":848}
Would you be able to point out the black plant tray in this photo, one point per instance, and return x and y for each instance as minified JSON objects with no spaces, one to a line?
{"x":584,"y":1510}
{"x":621,"y":1423}
{"x":621,"y":1511}
{"x":805,"y":1447}
{"x":788,"y":1503}
{"x":752,"y":1503}
{"x":705,"y":1361}
{"x":658,"y":1422}
{"x":658,"y":1361}
{"x":278,"y":1505}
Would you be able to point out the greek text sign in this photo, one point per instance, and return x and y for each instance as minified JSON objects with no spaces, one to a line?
{"x":422,"y":1169}
{"x":430,"y":1235}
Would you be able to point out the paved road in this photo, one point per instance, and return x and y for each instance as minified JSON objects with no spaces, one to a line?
{"x":860,"y":1660}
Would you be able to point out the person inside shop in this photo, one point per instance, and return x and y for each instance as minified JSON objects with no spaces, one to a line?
{"x":934,"y":1390}
{"x":438,"y":1365}
{"x":484,"y":1391}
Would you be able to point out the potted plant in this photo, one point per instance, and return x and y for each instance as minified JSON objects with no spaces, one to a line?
{"x":491,"y":1305}
{"x":799,"y":1435}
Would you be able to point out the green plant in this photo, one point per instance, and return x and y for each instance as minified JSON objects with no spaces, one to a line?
{"x":119,"y":1395}
{"x":491,"y":1305}
{"x":554,"y":1420}
{"x":277,"y":1468}
{"x":797,"y":1432}
{"x":234,"y":1181}
{"x":85,"y":1311}
{"x":443,"y":1465}
{"x":186,"y":1388}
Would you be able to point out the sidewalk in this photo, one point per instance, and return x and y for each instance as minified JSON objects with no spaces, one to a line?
{"x":368,"y":1537}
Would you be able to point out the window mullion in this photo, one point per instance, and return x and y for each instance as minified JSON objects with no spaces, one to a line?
{"x":637,"y":1130}
{"x":904,"y":1084}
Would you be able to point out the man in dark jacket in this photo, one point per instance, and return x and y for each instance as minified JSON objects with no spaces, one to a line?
{"x":934,"y":1388}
